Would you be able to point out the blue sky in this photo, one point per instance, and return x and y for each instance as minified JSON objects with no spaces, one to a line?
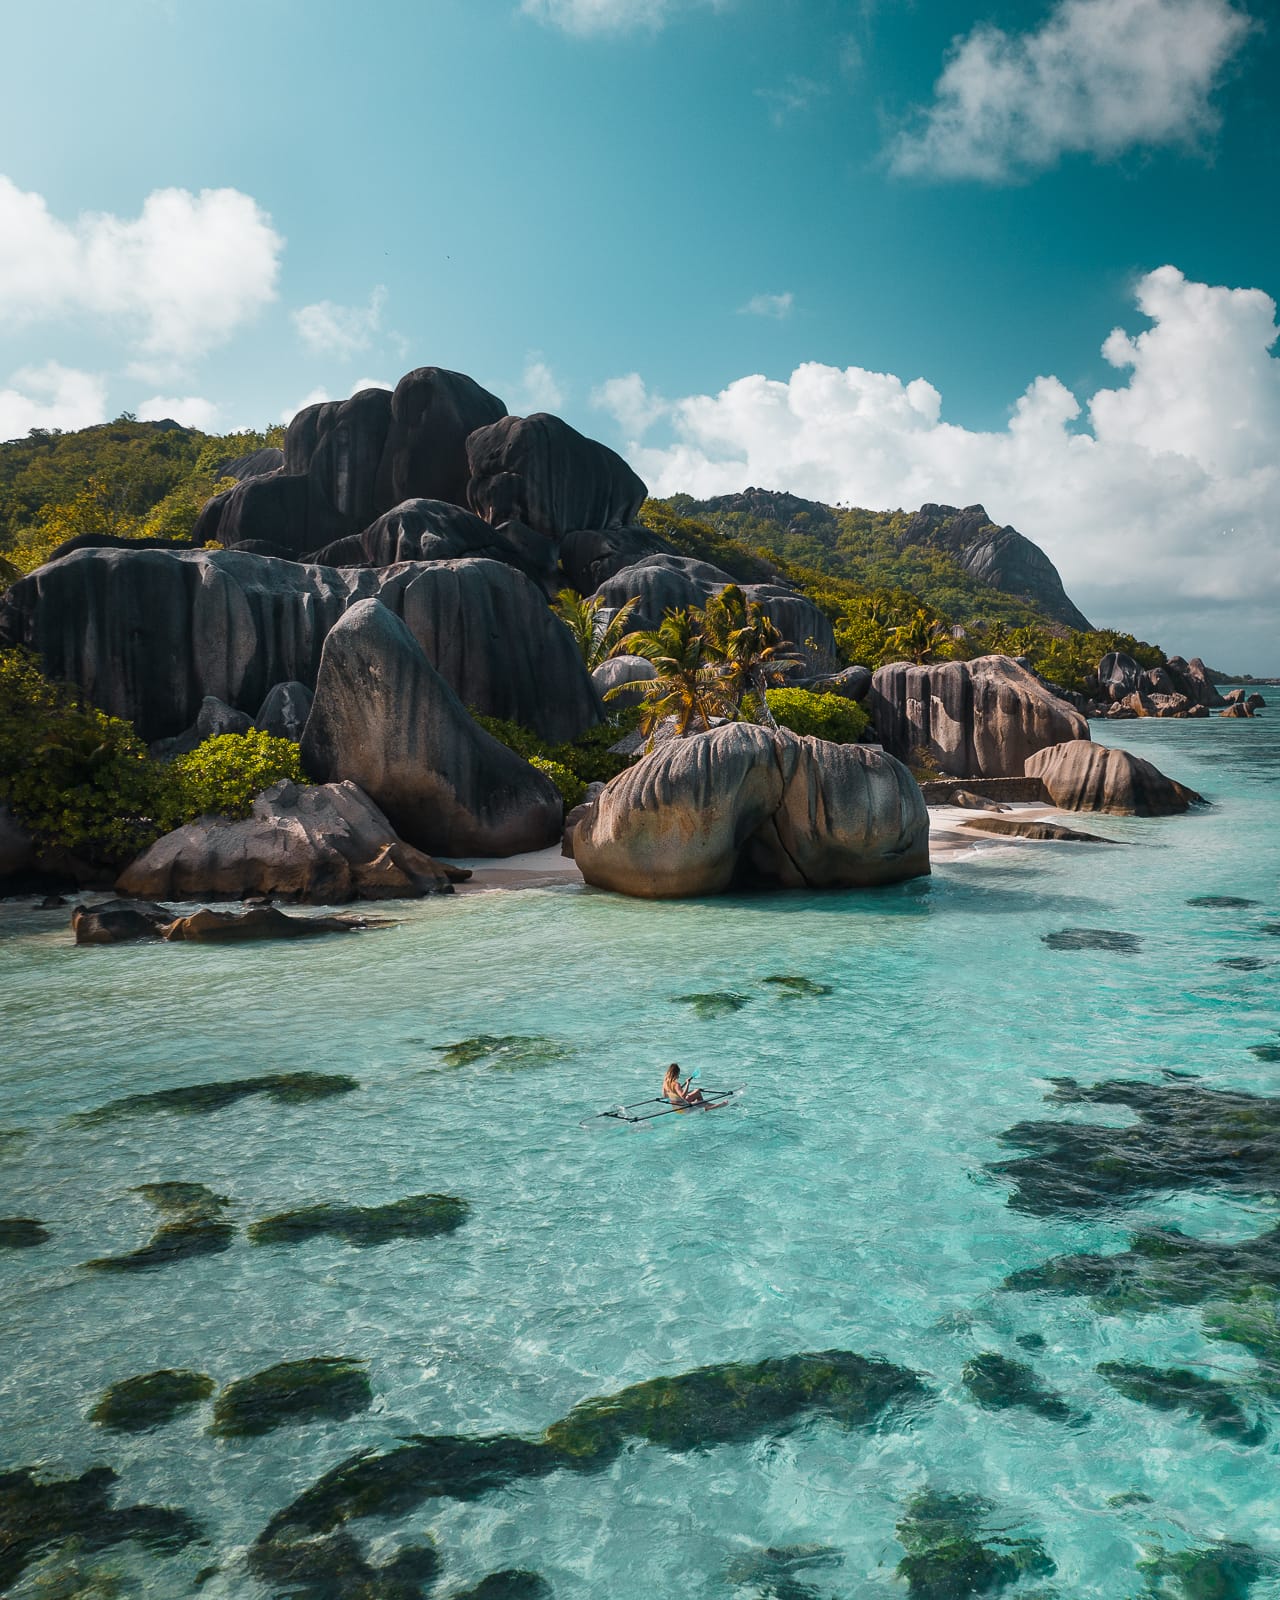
{"x":628,"y":210}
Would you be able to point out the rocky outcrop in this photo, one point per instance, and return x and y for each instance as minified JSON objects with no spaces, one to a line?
{"x":745,"y":806}
{"x":618,"y":671}
{"x":283,"y":714}
{"x":662,"y":583}
{"x":119,"y":922}
{"x":214,"y":717}
{"x":323,"y":845}
{"x":257,"y":464}
{"x":346,"y":462}
{"x":1119,"y":676}
{"x":1091,"y":777}
{"x":433,"y":530}
{"x":123,"y":921}
{"x":970,"y":719}
{"x":1191,"y":678}
{"x":385,"y":718}
{"x":148,"y":634}
{"x":1237,"y":708}
{"x":590,"y":555}
{"x":853,"y":683}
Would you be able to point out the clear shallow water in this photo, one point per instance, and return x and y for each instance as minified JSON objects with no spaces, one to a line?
{"x":844,"y":1202}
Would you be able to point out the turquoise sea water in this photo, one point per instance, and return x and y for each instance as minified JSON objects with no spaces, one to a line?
{"x":843,"y":1202}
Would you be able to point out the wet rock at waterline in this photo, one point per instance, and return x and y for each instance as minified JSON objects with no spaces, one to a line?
{"x":22,"y":1233}
{"x":385,"y":719}
{"x":999,"y":1383}
{"x":323,"y":844}
{"x":1091,"y":777}
{"x":732,"y":1403}
{"x":1177,"y":1389}
{"x":1107,"y":939}
{"x":119,"y":921}
{"x":123,"y":921}
{"x":200,"y":1099}
{"x":135,"y":1405}
{"x":957,"y":1545}
{"x":745,"y":806}
{"x":39,"y":1514}
{"x":196,"y":1228}
{"x":970,"y":719}
{"x":418,"y":1216}
{"x":320,"y":1387}
{"x":1184,"y":1136}
{"x":1047,"y":832}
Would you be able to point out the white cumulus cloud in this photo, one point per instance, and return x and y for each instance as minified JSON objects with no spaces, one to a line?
{"x":610,"y":16}
{"x":178,"y":279}
{"x":1099,"y":77}
{"x":1157,"y":498}
{"x":191,"y":410}
{"x":539,"y":388}
{"x":344,"y":331}
{"x":51,"y":396}
{"x":778,"y":306}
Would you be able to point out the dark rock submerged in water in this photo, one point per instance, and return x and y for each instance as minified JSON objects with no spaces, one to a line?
{"x":1186,"y":1136}
{"x":1091,"y":777}
{"x":38,"y":1515}
{"x":999,"y":1383}
{"x":745,"y":806}
{"x":1108,"y":939}
{"x":1224,"y":1571}
{"x":385,"y":718}
{"x":712,"y":1405}
{"x":136,"y":1405}
{"x":512,"y":1583}
{"x":1222,"y":902}
{"x":955,"y":1545}
{"x":970,"y":719}
{"x":324,"y":844}
{"x":22,"y":1233}
{"x":706,"y":1007}
{"x":196,"y":1228}
{"x":320,"y":1387}
{"x":417,"y":1216}
{"x":503,"y":1050}
{"x":200,"y":1099}
{"x":1176,"y":1389}
{"x":337,"y":1568}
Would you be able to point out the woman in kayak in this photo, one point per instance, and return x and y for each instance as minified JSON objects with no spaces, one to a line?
{"x":680,"y":1094}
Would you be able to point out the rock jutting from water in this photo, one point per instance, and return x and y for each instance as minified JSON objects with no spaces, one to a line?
{"x":324,"y":844}
{"x":135,"y":1405}
{"x":125,"y":921}
{"x":417,"y":1216}
{"x":316,"y":1388}
{"x":745,"y":806}
{"x":1092,"y":777}
{"x":1045,"y":831}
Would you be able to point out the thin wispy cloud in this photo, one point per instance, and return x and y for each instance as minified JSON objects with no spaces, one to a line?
{"x":778,"y":306}
{"x":344,"y":331}
{"x":1099,"y":77}
{"x":792,"y":96}
{"x":51,"y":396}
{"x":192,"y":410}
{"x":539,"y":388}
{"x":585,"y":17}
{"x":175,"y":281}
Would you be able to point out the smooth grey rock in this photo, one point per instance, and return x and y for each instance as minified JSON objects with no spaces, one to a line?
{"x":590,"y":555}
{"x":1090,"y":777}
{"x":618,"y":671}
{"x":746,"y":806}
{"x":1191,"y":678}
{"x":385,"y":718}
{"x":433,"y":414}
{"x":970,"y":719}
{"x":574,"y":817}
{"x":853,"y":683}
{"x":215,"y":717}
{"x":257,"y":464}
{"x":324,"y":845}
{"x":283,"y":714}
{"x":1119,"y":675}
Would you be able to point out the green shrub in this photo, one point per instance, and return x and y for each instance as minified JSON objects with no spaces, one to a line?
{"x":572,"y":789}
{"x":587,"y":758}
{"x":224,"y":775}
{"x":73,"y":776}
{"x":824,"y":716}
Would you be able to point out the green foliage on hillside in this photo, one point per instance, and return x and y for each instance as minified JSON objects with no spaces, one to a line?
{"x":822,"y":716}
{"x":80,"y":780}
{"x":126,"y":478}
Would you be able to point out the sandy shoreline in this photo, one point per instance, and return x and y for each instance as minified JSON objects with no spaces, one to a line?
{"x":948,"y":838}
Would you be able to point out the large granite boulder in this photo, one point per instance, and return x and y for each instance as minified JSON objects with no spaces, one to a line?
{"x":283,"y":714}
{"x":148,"y":634}
{"x":970,"y":719}
{"x":1092,"y":777}
{"x":541,"y":472}
{"x":345,"y":462}
{"x":1119,"y":675}
{"x":323,"y":845}
{"x":616,"y":673}
{"x":853,"y":683}
{"x":214,"y":718}
{"x":749,"y":807}
{"x":590,"y":555}
{"x":1191,"y":678}
{"x":256,"y":464}
{"x":661,"y":583}
{"x":385,"y":718}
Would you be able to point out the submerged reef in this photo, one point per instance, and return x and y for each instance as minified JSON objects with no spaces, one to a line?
{"x":1000,"y":1384}
{"x":336,"y":1568}
{"x":196,"y":1228}
{"x":952,"y":1550}
{"x":1222,"y":902}
{"x":1176,"y":1389}
{"x":707,"y":1007}
{"x":417,"y":1216}
{"x":1223,"y":1571}
{"x":512,"y":1583}
{"x":137,"y":1404}
{"x":1124,"y":944}
{"x":1186,"y":1136}
{"x":22,"y":1233}
{"x":38,"y":1516}
{"x":503,"y":1050}
{"x":770,"y":1572}
{"x":199,"y":1099}
{"x":731,"y":1403}
{"x":798,"y":986}
{"x":330,"y":1387}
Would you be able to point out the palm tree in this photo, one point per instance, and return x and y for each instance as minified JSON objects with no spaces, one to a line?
{"x":748,"y":645}
{"x":596,"y":637}
{"x":920,"y":638}
{"x":689,"y":685}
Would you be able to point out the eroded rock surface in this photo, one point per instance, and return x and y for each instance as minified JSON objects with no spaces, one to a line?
{"x":1082,"y":776}
{"x":747,"y":806}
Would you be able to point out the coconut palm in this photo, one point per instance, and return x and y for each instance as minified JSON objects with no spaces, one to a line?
{"x":748,"y":645}
{"x":689,"y":684}
{"x":596,"y":635}
{"x":921,"y":638}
